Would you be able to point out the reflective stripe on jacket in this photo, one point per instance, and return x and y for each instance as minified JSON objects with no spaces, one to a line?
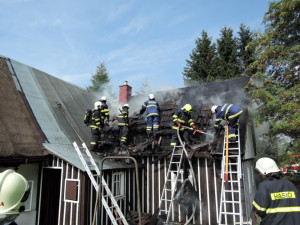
{"x":277,"y":201}
{"x":227,"y":112}
{"x":96,"y":121}
{"x":183,"y":118}
{"x":123,"y":118}
{"x":104,"y":111}
{"x":152,"y":107}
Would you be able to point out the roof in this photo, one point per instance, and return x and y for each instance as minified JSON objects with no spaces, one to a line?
{"x":57,"y":107}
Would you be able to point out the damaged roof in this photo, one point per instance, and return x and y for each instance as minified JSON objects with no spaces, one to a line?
{"x":49,"y":113}
{"x":42,"y":114}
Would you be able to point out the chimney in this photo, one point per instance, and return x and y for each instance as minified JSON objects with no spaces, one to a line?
{"x":124,"y":93}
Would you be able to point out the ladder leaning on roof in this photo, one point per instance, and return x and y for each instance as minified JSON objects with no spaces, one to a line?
{"x":113,"y":210}
{"x":231,"y":197}
{"x":166,"y":201}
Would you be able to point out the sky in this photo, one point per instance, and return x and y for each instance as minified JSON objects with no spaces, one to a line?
{"x":138,"y":40}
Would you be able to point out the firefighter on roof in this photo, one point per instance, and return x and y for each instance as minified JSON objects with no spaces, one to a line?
{"x":277,"y":200}
{"x":14,"y":192}
{"x":151,"y":107}
{"x":182,"y":117}
{"x":104,"y":109}
{"x":123,"y":123}
{"x":96,"y":125}
{"x":230,"y":113}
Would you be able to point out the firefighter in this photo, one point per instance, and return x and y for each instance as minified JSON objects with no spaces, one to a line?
{"x":231,"y":114}
{"x":104,"y":109}
{"x":277,"y":200}
{"x":182,"y":117}
{"x":14,"y":192}
{"x":96,"y":125}
{"x":123,"y":123}
{"x":151,"y":107}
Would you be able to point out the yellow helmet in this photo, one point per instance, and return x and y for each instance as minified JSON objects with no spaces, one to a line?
{"x":187,"y":108}
{"x":14,"y":191}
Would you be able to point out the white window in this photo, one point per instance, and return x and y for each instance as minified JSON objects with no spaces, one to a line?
{"x":118,"y":183}
{"x":28,"y":203}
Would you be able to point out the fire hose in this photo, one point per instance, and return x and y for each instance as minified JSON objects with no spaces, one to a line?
{"x":197,"y":131}
{"x":190,"y":163}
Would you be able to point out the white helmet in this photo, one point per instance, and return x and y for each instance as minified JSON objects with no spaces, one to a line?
{"x":266,"y":165}
{"x":151,"y":96}
{"x":187,"y":108}
{"x":14,"y":191}
{"x":126,"y":105}
{"x":103,"y":98}
{"x":97,"y":105}
{"x":213,"y":109}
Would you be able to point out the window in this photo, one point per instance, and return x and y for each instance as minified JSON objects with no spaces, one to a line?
{"x":118,"y":184}
{"x":71,"y":190}
{"x":28,"y":203}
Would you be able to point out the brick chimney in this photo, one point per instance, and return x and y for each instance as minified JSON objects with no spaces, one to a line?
{"x":124,"y":93}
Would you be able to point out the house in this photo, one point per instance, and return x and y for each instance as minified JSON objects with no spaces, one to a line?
{"x":41,"y":116}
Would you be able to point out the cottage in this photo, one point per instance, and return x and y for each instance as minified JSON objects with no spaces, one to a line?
{"x":41,"y":116}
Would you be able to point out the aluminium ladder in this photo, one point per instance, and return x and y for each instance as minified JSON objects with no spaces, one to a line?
{"x":167,"y":196}
{"x":113,"y":210}
{"x":231,"y":197}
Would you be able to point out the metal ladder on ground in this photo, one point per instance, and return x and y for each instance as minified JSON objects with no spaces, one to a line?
{"x":231,"y":197}
{"x":113,"y":210}
{"x":166,"y":201}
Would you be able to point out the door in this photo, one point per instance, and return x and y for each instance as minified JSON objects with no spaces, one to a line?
{"x":49,"y":208}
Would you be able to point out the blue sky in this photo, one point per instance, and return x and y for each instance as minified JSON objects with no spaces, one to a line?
{"x":137,"y":40}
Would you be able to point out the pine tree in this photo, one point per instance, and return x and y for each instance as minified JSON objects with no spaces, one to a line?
{"x":246,"y":55}
{"x":202,"y":65}
{"x":227,"y":52}
{"x":277,"y":68}
{"x":100,"y":79}
{"x":146,"y":88}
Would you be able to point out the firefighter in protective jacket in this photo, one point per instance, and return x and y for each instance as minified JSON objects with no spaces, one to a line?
{"x":182,"y":117}
{"x":151,"y":107}
{"x":277,"y":200}
{"x":230,"y":113}
{"x":96,"y":126}
{"x":123,"y":123}
{"x":104,"y":109}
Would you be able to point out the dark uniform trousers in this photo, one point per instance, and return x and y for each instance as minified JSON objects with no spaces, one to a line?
{"x":277,"y":202}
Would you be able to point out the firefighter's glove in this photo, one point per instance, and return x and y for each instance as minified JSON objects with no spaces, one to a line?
{"x":179,"y":124}
{"x":194,"y":127}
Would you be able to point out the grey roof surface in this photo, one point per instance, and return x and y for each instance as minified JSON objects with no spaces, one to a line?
{"x":61,"y":125}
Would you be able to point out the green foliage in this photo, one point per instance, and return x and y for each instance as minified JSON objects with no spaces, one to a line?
{"x":275,"y":84}
{"x":246,"y":55}
{"x":202,"y":64}
{"x":100,"y":79}
{"x":227,"y":52}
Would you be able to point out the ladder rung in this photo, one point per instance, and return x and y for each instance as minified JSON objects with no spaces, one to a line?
{"x":236,"y":191}
{"x":230,"y":213}
{"x":230,"y":202}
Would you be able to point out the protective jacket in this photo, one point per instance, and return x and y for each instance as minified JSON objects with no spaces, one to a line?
{"x":104,"y":111}
{"x":277,"y":201}
{"x":227,"y":112}
{"x":96,"y":121}
{"x":151,"y":107}
{"x":182,"y":117}
{"x":123,"y":117}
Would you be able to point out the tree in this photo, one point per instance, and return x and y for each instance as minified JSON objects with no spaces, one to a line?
{"x":246,"y":56}
{"x":277,"y":68}
{"x":227,"y":52}
{"x":202,"y":65}
{"x":146,"y":88}
{"x":99,"y":79}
